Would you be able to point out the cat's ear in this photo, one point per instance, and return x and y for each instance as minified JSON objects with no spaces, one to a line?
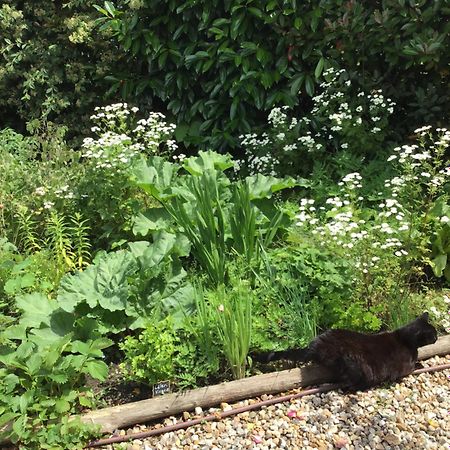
{"x":425,"y":316}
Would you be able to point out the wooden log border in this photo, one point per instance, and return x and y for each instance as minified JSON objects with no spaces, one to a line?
{"x":116,"y":417}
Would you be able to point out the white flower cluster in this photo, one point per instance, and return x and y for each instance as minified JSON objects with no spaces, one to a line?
{"x":341,"y":224}
{"x":263,"y":164}
{"x":40,"y":191}
{"x":119,"y":142}
{"x":277,"y":117}
{"x":63,"y":192}
{"x":391,"y":208}
{"x":378,"y":105}
{"x":352,"y":180}
{"x":154,"y":130}
{"x":419,"y":162}
{"x":335,"y":116}
{"x":443,"y":317}
{"x":252,"y":141}
{"x":111,"y":150}
{"x":307,"y":211}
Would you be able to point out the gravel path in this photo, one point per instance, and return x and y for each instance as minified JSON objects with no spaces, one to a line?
{"x":413,"y":414}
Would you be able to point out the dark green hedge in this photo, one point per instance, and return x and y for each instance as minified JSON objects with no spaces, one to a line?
{"x":219,"y":66}
{"x":53,"y":63}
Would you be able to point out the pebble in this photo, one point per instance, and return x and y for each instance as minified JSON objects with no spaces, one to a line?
{"x":412,"y":414}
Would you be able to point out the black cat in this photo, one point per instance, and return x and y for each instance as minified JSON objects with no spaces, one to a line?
{"x":360,"y":360}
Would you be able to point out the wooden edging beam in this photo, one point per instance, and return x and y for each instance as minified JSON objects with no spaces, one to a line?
{"x":143,"y":411}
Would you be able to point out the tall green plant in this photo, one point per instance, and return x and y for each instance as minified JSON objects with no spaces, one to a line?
{"x":233,"y":313}
{"x":204,"y":223}
{"x":243,"y":223}
{"x":222,"y":218}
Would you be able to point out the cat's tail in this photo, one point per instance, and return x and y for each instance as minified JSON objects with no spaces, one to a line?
{"x":296,"y":354}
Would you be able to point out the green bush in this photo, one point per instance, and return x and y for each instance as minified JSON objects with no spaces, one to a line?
{"x":53,"y":64}
{"x":221,"y":217}
{"x":165,"y":352}
{"x":45,"y":356}
{"x":217,"y":66}
{"x":342,"y":130}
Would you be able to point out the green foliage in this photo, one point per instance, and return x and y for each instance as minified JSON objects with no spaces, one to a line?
{"x":56,"y":71}
{"x":206,"y":205}
{"x":149,"y":356}
{"x":286,"y":312}
{"x":27,"y":274}
{"x":123,"y":288}
{"x":56,"y":183}
{"x":65,"y":242}
{"x":217,"y":65}
{"x":232,"y":312}
{"x":165,"y":352}
{"x":44,"y":359}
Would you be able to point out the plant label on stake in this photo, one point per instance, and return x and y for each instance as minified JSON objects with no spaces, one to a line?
{"x":163,"y":387}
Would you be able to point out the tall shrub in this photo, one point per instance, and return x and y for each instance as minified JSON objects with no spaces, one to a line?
{"x":217,"y":65}
{"x":53,"y":63}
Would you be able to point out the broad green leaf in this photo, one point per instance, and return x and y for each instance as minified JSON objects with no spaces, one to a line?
{"x":101,"y":343}
{"x":58,"y":378}
{"x":180,"y":303}
{"x":37,"y":309}
{"x":182,"y":246}
{"x":12,"y":285}
{"x":153,"y":219}
{"x":81,"y":347}
{"x":84,"y":401}
{"x":151,"y":254}
{"x":319,"y":68}
{"x":34,"y":363}
{"x":297,"y":84}
{"x":103,"y":283}
{"x":25,"y":350}
{"x":196,"y":165}
{"x":438,"y":264}
{"x":262,"y":186}
{"x":62,"y":322}
{"x":46,"y":337}
{"x":15,"y":332}
{"x":309,"y":85}
{"x":62,"y":406}
{"x":155,"y":176}
{"x":97,"y":370}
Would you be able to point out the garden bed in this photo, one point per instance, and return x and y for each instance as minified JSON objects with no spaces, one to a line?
{"x":411,"y":414}
{"x":165,"y":405}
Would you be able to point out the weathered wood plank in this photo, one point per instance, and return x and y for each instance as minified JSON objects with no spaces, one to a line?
{"x":146,"y":410}
{"x":169,"y":404}
{"x":439,"y":348}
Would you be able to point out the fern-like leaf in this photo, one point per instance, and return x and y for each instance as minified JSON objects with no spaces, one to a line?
{"x":80,"y":237}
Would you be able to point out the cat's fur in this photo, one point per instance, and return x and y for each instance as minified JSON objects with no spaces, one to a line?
{"x":361,"y":360}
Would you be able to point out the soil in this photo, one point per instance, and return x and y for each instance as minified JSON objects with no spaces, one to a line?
{"x":115,"y":390}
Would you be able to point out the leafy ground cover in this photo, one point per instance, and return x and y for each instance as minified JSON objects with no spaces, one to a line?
{"x":129,"y":254}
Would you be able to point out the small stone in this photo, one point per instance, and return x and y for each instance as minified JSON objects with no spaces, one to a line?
{"x":186,"y":415}
{"x":225,"y":407}
{"x":340,"y":441}
{"x":392,"y":439}
{"x":198,"y":410}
